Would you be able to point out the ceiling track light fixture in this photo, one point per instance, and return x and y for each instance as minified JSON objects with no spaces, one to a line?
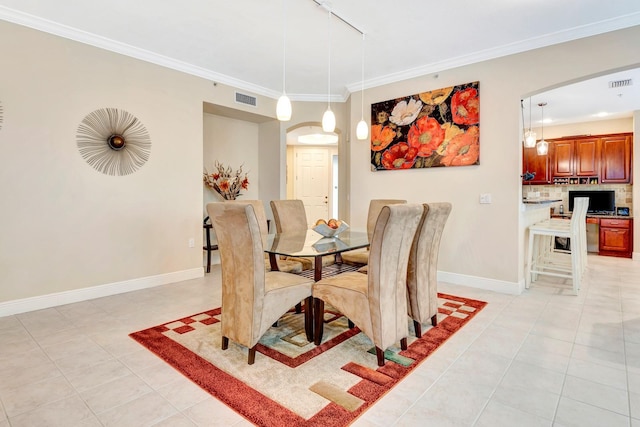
{"x":283,"y":108}
{"x":542,"y":147}
{"x":529,"y":136}
{"x":362,"y":130}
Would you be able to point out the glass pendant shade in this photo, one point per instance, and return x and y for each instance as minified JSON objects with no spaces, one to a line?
{"x":542,"y":148}
{"x":328,"y":121}
{"x":362,"y":130}
{"x":529,"y":139}
{"x":283,"y":109}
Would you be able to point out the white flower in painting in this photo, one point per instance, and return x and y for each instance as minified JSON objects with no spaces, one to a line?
{"x":404,"y":114}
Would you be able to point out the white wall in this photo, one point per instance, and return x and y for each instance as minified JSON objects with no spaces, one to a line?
{"x":482,"y":245}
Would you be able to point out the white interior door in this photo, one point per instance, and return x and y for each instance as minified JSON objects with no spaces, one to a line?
{"x":311,"y":183}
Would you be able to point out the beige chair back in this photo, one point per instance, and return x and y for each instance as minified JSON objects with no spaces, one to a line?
{"x":243,"y":274}
{"x":289,"y":215}
{"x":375,"y":206}
{"x":258,"y":208}
{"x":422,"y":283}
{"x":388,"y":258}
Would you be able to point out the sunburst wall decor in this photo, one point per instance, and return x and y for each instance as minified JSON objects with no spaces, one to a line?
{"x":113,"y":141}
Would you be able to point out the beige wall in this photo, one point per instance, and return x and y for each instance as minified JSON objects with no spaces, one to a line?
{"x":69,"y":232}
{"x":483,"y":243}
{"x":598,"y":127}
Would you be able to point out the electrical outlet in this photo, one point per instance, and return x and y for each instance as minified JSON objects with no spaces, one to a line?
{"x":485,"y":198}
{"x":192,"y":242}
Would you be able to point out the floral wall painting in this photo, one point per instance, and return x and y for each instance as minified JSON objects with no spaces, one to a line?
{"x":430,"y":129}
{"x":113,"y":141}
{"x":226,"y":182}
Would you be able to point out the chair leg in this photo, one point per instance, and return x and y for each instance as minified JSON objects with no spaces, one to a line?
{"x":350,"y":324}
{"x":434,"y":320}
{"x":403,"y":343}
{"x":308,"y":318}
{"x":380,"y":356}
{"x":252,"y":355}
{"x":298,"y":308}
{"x":225,"y":343}
{"x":417,"y":327}
{"x":318,"y":327}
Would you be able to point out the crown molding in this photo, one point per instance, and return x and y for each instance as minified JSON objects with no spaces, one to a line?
{"x":575,"y":33}
{"x":70,"y":33}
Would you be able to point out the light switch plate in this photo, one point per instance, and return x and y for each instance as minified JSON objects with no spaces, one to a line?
{"x":485,"y":198}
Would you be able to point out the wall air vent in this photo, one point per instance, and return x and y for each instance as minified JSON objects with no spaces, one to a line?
{"x":620,"y":83}
{"x":241,"y":98}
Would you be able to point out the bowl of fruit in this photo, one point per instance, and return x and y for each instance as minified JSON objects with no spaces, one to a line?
{"x":330,"y":228}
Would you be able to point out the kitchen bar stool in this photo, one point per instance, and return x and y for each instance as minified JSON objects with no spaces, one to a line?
{"x":545,"y":260}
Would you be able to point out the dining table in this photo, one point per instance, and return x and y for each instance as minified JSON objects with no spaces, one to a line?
{"x":310,"y":243}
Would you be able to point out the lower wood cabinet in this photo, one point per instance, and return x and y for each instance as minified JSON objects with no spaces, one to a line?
{"x":616,"y":237}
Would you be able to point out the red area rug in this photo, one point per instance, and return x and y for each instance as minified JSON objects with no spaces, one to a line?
{"x":294,"y":382}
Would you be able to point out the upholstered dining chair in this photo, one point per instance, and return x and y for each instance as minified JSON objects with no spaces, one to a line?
{"x":288,"y":266}
{"x":361,"y":256}
{"x":290,"y":216}
{"x":252,"y":298}
{"x":376,"y":302}
{"x":422,"y":271}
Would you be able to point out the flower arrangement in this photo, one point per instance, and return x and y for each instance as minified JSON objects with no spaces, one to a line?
{"x":226,"y":182}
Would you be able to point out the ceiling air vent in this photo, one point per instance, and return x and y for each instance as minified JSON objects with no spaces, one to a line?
{"x":241,"y":98}
{"x":620,"y":83}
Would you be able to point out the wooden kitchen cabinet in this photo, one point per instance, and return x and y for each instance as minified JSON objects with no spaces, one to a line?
{"x":562,"y":158}
{"x":601,"y":159}
{"x":534,"y":163}
{"x":616,"y":237}
{"x":616,"y":159}
{"x":587,"y":157}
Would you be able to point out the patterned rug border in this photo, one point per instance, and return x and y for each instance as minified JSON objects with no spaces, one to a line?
{"x":263,"y":411}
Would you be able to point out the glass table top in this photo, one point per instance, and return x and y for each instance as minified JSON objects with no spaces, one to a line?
{"x":313,"y":244}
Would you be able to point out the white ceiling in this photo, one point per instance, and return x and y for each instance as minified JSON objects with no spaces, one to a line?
{"x":241,"y":42}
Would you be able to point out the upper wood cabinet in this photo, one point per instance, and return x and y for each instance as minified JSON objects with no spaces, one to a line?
{"x":562,"y":154}
{"x":600,"y":159}
{"x":616,"y":159}
{"x":587,"y":157}
{"x":539,"y":165}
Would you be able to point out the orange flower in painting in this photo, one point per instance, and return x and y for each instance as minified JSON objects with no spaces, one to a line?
{"x":400,"y":156}
{"x":425,"y":135}
{"x":465,"y":107}
{"x":463,"y":149}
{"x":381,"y":137}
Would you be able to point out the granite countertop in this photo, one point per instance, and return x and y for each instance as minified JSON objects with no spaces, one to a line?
{"x":540,"y":201}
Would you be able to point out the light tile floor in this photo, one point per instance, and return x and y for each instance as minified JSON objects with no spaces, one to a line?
{"x":543,"y":358}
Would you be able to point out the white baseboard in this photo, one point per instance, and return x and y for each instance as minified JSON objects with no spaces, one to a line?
{"x":67,"y":297}
{"x":501,"y":286}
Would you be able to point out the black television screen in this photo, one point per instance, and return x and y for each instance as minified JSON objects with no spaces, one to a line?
{"x":603,"y":201}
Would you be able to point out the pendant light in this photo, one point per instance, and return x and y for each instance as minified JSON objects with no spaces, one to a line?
{"x":529,"y":136}
{"x":362,"y":130}
{"x":329,"y":119}
{"x":543,"y":146}
{"x":283,"y":108}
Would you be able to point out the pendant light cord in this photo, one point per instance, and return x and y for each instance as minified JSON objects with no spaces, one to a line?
{"x":329,"y":73}
{"x":362,"y":83}
{"x":529,"y":114}
{"x":284,"y":46}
